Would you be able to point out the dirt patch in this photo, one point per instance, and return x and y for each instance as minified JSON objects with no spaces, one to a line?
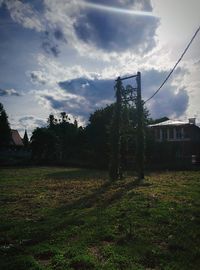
{"x":44,"y":258}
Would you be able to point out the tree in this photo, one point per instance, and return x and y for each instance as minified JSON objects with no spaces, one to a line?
{"x":5,"y":131}
{"x":67,"y":134}
{"x":51,"y":121}
{"x":58,"y":142}
{"x":44,"y":145}
{"x":97,"y":134}
{"x":158,"y":120}
{"x":124,"y":137}
{"x":64,"y":117}
{"x":115,"y":171}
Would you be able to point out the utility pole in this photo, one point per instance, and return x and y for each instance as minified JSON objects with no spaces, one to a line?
{"x":115,"y":159}
{"x":140,"y":131}
{"x":126,"y":96}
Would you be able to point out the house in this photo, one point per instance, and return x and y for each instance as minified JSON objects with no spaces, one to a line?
{"x":15,"y":153}
{"x":16,"y":140}
{"x":176,"y":143}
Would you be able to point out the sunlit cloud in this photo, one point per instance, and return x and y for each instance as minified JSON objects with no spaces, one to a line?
{"x":65,"y":55}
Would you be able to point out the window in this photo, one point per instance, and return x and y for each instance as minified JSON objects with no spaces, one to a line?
{"x":171,"y":133}
{"x":186,"y":133}
{"x":157,"y":134}
{"x":178,"y":133}
{"x":164,"y":134}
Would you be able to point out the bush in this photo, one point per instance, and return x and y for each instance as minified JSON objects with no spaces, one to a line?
{"x":83,"y":262}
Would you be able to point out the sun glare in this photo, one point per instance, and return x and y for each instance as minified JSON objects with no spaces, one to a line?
{"x":116,"y":9}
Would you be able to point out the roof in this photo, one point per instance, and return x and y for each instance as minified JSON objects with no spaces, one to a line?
{"x":16,"y":139}
{"x":171,"y":123}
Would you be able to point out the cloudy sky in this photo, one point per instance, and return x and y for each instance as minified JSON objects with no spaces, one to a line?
{"x":64,"y":55}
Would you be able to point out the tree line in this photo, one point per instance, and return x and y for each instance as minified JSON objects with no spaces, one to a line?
{"x":5,"y":131}
{"x":63,"y":142}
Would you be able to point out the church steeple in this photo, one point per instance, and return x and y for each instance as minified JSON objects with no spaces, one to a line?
{"x":25,"y":139}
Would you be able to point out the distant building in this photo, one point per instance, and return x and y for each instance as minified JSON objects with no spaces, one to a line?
{"x":176,"y":130}
{"x":15,"y":153}
{"x":176,"y":142}
{"x":16,"y":140}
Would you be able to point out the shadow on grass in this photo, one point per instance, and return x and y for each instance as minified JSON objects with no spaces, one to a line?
{"x":72,"y":216}
{"x":31,"y":233}
{"x":77,"y":174}
{"x":96,"y":198}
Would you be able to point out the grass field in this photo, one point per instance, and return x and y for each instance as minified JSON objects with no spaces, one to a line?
{"x":58,"y":218}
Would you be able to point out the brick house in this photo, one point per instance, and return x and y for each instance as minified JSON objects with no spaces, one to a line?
{"x":175,"y":143}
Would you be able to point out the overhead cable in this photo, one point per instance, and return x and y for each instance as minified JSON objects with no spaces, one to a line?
{"x":172,"y":70}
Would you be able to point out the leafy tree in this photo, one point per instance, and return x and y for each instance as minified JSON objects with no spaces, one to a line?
{"x":66,"y":133}
{"x":97,"y":134}
{"x":5,"y":131}
{"x":115,"y":170}
{"x":52,"y":121}
{"x":64,"y":117}
{"x":65,"y":142}
{"x":158,"y":120}
{"x":58,"y":142}
{"x":44,"y":145}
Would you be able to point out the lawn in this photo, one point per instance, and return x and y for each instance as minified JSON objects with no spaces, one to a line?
{"x":70,"y":218}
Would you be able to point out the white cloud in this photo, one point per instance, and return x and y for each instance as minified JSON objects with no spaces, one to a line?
{"x":37,"y":77}
{"x":51,"y":71}
{"x":24,"y":14}
{"x":28,"y":122}
{"x":9,"y":92}
{"x":93,"y":62}
{"x":67,"y":15}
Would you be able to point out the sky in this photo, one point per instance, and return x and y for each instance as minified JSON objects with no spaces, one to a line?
{"x":64,"y":55}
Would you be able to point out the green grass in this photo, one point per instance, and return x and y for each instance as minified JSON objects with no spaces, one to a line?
{"x":61,"y":218}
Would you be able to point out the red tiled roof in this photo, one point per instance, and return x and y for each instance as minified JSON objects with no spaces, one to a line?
{"x":16,"y":139}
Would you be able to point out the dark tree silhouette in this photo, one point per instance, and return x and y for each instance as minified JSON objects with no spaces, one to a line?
{"x":64,"y":117}
{"x":44,"y":145}
{"x":58,"y":142}
{"x":97,"y":133}
{"x":5,"y":131}
{"x":51,"y":121}
{"x":63,"y":142}
{"x":115,"y":171}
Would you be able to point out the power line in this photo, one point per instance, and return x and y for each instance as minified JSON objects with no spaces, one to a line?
{"x":184,"y":52}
